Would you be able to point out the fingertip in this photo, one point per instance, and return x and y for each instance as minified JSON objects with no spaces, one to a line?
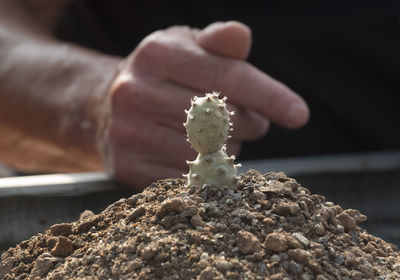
{"x":298,"y":115}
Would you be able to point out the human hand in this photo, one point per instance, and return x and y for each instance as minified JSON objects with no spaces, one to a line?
{"x":145,"y":139}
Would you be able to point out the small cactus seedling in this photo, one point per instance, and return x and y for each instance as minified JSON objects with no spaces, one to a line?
{"x":207,"y":126}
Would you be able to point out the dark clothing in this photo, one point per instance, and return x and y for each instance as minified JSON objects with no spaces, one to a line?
{"x":342,"y":57}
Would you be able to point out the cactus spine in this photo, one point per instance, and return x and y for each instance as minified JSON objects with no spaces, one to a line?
{"x":207,"y":126}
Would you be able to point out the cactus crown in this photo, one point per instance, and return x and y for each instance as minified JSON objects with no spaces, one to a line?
{"x":207,"y":126}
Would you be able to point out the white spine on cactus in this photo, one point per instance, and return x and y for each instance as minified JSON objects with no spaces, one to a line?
{"x":207,"y":126}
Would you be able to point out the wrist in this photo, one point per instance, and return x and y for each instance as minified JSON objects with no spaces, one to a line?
{"x":87,"y":132}
{"x":49,"y":93}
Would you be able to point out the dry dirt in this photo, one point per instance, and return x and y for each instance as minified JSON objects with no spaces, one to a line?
{"x":268,"y":227}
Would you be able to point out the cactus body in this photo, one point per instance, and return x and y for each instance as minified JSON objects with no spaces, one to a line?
{"x":213,"y":169}
{"x":207,"y":126}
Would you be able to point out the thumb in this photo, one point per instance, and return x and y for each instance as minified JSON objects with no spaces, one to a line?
{"x":230,"y":39}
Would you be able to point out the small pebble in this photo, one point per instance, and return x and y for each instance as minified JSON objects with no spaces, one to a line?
{"x":301,"y":238}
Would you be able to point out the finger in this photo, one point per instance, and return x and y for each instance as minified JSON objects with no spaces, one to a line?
{"x":230,"y":39}
{"x":247,"y":125}
{"x":178,"y":58}
{"x":163,"y":101}
{"x":245,"y":85}
{"x":152,"y":142}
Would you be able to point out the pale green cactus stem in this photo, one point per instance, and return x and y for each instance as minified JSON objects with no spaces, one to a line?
{"x":207,"y":126}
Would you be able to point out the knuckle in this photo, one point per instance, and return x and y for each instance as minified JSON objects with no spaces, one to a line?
{"x":151,"y":48}
{"x":119,"y":93}
{"x":128,"y":91}
{"x":120,"y":86}
{"x":184,"y":30}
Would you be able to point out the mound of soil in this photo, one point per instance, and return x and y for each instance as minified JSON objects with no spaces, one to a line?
{"x":268,"y":227}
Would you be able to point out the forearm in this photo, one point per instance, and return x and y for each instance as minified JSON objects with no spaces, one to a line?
{"x":48,"y":94}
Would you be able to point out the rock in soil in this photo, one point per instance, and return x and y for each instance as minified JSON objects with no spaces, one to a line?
{"x":267,"y":227}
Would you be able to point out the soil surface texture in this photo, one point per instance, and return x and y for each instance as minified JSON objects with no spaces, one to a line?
{"x":268,"y":227}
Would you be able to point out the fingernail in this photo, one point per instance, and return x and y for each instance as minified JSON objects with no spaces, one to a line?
{"x":298,"y":115}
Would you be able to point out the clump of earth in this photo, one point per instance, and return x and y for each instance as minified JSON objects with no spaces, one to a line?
{"x":267,"y":227}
